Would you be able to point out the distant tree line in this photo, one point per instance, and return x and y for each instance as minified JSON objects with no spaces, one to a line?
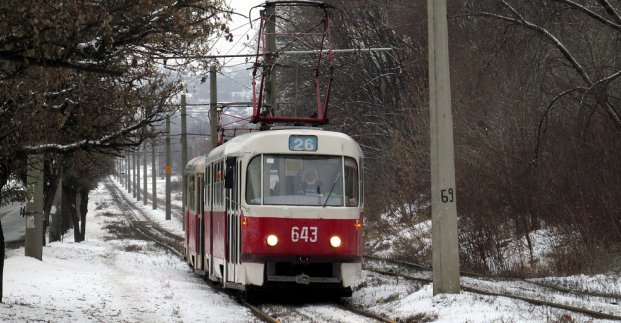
{"x":536,"y":101}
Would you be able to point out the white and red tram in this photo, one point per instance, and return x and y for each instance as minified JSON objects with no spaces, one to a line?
{"x":277,"y":208}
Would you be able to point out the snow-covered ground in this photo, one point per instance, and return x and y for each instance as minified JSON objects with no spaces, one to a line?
{"x":112,"y":278}
{"x":106,"y":279}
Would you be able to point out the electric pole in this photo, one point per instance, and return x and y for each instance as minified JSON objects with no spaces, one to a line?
{"x":144,"y":173}
{"x":270,"y":46}
{"x":133,"y":174}
{"x":168,"y":168}
{"x":137,"y":159}
{"x":184,"y":155}
{"x":153,"y":175}
{"x":213,"y":106}
{"x":443,"y":194}
{"x":120,"y":167}
{"x":129,"y":178}
{"x":34,"y":208}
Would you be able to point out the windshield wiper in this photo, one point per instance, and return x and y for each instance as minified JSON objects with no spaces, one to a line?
{"x":332,"y":188}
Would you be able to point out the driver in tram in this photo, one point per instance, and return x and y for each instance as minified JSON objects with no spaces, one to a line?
{"x":310,"y":184}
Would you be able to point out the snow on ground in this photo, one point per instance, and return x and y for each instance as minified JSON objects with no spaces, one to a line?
{"x":104,"y":279}
{"x":112,"y":278}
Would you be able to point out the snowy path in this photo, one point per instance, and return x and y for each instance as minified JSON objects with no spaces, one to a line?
{"x":106,"y":279}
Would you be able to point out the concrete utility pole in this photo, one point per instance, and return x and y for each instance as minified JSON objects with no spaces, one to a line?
{"x":443,"y":194}
{"x":213,"y":106}
{"x":184,"y":154}
{"x":121,"y":169}
{"x":129,"y":178}
{"x":34,"y":208}
{"x":168,"y":169}
{"x":144,"y":173}
{"x":137,"y":158}
{"x":153,"y":175}
{"x":134,"y":169}
{"x":270,"y":47}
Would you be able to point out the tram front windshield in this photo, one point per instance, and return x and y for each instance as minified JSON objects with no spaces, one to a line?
{"x":308,"y":180}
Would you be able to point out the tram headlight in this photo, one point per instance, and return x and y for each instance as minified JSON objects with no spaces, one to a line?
{"x":272,"y":240}
{"x":335,"y":241}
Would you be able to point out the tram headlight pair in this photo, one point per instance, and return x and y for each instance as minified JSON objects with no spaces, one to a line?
{"x":272,"y":240}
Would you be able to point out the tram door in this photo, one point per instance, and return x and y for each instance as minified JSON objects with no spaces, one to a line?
{"x":233,"y":210}
{"x":208,"y":223}
{"x":200,"y":223}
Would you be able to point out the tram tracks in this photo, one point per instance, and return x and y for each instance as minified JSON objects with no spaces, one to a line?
{"x":321,"y":312}
{"x":151,"y":230}
{"x":596,"y":305}
{"x":143,"y":224}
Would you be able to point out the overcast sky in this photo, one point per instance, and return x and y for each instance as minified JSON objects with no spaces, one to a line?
{"x":242,"y":34}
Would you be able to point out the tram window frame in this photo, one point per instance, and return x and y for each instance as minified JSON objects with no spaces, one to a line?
{"x":351,"y":178}
{"x":256,"y":198}
{"x":362,"y":182}
{"x":214,"y":190}
{"x":191,"y":192}
{"x":207,"y":187}
{"x":220,"y":183}
{"x":291,"y":169}
{"x":218,"y":178}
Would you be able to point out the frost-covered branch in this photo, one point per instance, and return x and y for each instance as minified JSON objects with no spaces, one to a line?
{"x":115,"y":140}
{"x":555,"y":40}
{"x":596,"y":16}
{"x":614,"y":12}
{"x":573,"y":61}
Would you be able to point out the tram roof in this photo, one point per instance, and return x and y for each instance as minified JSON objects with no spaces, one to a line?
{"x":276,"y":141}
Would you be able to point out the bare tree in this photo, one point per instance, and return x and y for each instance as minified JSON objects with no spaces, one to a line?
{"x":90,"y":75}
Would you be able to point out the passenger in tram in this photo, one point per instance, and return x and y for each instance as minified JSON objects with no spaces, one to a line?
{"x":310,"y":184}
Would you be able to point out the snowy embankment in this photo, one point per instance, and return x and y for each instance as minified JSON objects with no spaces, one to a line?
{"x":115,"y":277}
{"x":108,"y":279}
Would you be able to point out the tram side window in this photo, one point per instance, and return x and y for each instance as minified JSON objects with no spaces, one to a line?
{"x":351,"y":182}
{"x":361,"y":182}
{"x":208,"y":187}
{"x":221,"y":191}
{"x":190,"y":195}
{"x":253,"y":181}
{"x":214,"y":192}
{"x":216,"y":185}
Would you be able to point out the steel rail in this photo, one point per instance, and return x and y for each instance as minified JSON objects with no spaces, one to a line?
{"x":589,"y":312}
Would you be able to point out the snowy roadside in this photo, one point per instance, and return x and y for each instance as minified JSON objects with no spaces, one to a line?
{"x":107,"y":279}
{"x":115,"y":277}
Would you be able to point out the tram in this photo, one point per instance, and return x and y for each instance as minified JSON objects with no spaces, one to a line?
{"x":275,"y":209}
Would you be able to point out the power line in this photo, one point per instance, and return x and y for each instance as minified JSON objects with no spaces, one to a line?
{"x":234,"y":80}
{"x":302,"y":52}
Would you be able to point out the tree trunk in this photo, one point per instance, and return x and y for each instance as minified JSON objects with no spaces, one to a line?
{"x":4,"y":176}
{"x":2,"y":254}
{"x":68,"y":208}
{"x":56,"y":220}
{"x":75,"y":217}
{"x":52,"y":178}
{"x":83,"y":211}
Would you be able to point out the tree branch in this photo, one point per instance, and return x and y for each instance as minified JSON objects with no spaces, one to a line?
{"x":564,"y":51}
{"x":592,"y":14}
{"x":611,"y":10}
{"x":58,"y":64}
